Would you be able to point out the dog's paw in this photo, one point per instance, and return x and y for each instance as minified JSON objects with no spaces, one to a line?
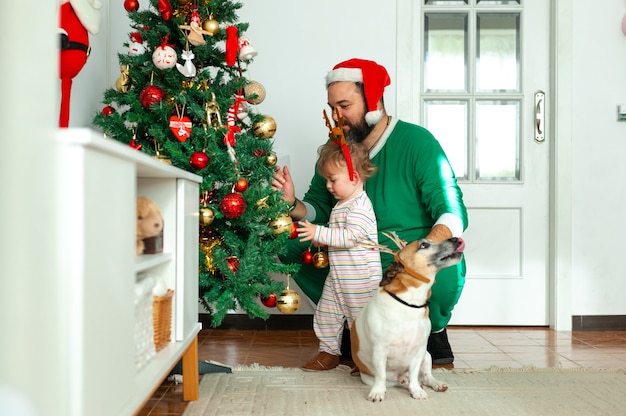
{"x":435,"y":384}
{"x":376,"y":395}
{"x":418,"y":393}
{"x":439,"y":386}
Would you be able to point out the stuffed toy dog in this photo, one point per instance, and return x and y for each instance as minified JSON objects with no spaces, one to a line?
{"x":149,"y":222}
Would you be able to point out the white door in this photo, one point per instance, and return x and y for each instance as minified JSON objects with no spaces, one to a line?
{"x":483,"y":80}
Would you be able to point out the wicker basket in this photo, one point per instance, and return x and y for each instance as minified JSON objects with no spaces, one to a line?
{"x":162,"y":317}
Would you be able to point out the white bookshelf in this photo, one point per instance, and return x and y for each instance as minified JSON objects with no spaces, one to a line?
{"x":101,"y":179}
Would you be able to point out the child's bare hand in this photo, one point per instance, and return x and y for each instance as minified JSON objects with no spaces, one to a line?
{"x":306,"y":231}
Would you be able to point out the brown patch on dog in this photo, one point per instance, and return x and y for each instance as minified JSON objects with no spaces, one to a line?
{"x":392,"y":270}
{"x":397,"y":281}
{"x":354,"y":347}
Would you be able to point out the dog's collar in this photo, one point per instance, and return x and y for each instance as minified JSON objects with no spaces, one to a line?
{"x":393,"y":295}
{"x":411,"y":271}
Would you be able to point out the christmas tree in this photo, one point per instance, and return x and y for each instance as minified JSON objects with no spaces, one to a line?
{"x":183,"y":97}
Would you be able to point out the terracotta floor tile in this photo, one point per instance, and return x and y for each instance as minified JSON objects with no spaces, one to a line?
{"x":474,"y":348}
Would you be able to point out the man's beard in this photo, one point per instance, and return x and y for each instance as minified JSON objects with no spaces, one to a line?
{"x":358,"y":132}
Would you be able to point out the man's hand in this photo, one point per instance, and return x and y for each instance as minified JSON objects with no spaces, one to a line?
{"x":439,"y":233}
{"x":282,"y":181}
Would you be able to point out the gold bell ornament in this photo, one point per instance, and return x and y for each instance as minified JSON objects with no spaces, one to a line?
{"x":288,"y":301}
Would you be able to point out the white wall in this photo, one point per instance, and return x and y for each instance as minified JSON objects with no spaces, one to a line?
{"x":598,"y":159}
{"x":298,"y":43}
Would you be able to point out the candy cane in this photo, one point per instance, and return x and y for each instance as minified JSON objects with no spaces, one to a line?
{"x":237,"y":111}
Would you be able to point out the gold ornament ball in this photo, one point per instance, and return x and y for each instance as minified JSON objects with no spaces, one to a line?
{"x":211,"y":25}
{"x":281,"y":224}
{"x":265,"y":128}
{"x":288,"y":301}
{"x":206,"y":216}
{"x":254,"y":88}
{"x":271,"y":159}
{"x":320,"y":260}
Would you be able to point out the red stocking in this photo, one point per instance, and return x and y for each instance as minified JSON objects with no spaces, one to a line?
{"x":232,"y":44}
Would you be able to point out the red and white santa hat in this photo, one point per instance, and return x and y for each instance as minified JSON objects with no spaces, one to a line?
{"x":374,"y":78}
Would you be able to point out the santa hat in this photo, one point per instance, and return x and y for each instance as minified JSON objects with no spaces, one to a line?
{"x":374,"y":78}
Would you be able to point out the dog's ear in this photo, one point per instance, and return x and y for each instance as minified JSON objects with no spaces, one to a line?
{"x":391,"y":272}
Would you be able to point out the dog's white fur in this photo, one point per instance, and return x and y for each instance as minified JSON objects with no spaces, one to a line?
{"x":389,"y":338}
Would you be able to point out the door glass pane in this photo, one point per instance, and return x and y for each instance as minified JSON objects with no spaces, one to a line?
{"x":444,"y":2}
{"x":447,"y":121}
{"x":496,"y":2}
{"x":445,"y":52}
{"x":497,"y":140}
{"x":497,"y":52}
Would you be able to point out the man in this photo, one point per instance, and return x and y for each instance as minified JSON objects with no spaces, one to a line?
{"x":414,"y":192}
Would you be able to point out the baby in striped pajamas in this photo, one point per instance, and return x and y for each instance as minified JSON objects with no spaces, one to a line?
{"x":355,"y":268}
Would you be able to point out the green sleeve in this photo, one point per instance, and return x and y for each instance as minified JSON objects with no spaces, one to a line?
{"x":440,"y":191}
{"x":319,"y":197}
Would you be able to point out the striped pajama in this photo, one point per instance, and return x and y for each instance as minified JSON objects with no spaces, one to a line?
{"x":355,"y":269}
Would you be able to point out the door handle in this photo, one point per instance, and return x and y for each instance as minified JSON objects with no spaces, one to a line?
{"x":539,"y":116}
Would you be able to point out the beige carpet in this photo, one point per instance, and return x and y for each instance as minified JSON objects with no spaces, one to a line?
{"x":275,"y":391}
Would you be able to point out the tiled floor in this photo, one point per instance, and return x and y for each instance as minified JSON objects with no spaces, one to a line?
{"x":477,"y":348}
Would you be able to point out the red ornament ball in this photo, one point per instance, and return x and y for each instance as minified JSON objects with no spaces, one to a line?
{"x":152,"y":94}
{"x":108,"y":110}
{"x":269,"y":301}
{"x":233,"y":205}
{"x":233,"y":263}
{"x":131,"y":5}
{"x":241,"y":185}
{"x":307,"y":257}
{"x":294,"y":232}
{"x":199,"y":160}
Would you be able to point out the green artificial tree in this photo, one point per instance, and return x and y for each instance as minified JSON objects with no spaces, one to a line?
{"x":183,"y":97}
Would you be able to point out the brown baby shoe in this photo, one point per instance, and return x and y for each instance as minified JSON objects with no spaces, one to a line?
{"x":322,"y":361}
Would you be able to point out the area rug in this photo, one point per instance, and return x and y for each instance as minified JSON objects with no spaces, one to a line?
{"x":257,"y":390}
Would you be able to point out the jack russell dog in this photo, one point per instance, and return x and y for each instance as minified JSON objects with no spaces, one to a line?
{"x":390,"y":335}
